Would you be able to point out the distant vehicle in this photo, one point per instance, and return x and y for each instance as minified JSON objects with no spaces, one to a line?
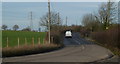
{"x":68,"y":34}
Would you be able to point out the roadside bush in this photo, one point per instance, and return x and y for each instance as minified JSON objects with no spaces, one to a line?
{"x":85,"y":32}
{"x":56,"y":37}
{"x":108,"y":37}
{"x":57,"y":33}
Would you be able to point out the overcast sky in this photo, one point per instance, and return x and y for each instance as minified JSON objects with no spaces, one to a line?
{"x":57,"y":0}
{"x":18,"y":12}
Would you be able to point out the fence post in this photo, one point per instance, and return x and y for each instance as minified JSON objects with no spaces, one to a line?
{"x":52,"y":39}
{"x":18,"y":42}
{"x":33,"y":41}
{"x":25,"y":41}
{"x":7,"y":42}
{"x":43,"y":40}
{"x":39,"y":40}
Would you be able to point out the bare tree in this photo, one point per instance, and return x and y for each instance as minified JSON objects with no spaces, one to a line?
{"x":87,"y":19}
{"x":55,"y":20}
{"x":119,"y":12}
{"x":107,"y":13}
{"x":91,"y":22}
{"x":15,"y":27}
{"x":4,"y":27}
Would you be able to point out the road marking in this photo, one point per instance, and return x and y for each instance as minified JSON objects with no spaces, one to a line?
{"x":83,"y":47}
{"x":76,"y":41}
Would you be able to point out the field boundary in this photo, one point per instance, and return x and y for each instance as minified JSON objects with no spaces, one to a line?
{"x":18,"y":38}
{"x":25,"y":43}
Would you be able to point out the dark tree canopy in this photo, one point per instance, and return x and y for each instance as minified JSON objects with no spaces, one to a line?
{"x":4,"y":27}
{"x":15,"y":27}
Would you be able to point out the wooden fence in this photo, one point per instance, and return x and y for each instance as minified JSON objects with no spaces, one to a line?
{"x":26,"y":41}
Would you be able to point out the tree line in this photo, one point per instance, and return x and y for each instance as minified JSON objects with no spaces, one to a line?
{"x":103,"y":26}
{"x":103,"y":19}
{"x":55,"y":20}
{"x":15,"y":27}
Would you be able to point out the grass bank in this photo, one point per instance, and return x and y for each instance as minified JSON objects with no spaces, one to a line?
{"x":23,"y":49}
{"x":27,"y":50}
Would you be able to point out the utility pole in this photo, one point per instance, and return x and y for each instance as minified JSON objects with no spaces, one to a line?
{"x":66,"y":20}
{"x":58,"y":19}
{"x":39,"y":27}
{"x":76,"y":22}
{"x":49,"y":20}
{"x":108,"y":13}
{"x":31,"y":21}
{"x":58,"y":22}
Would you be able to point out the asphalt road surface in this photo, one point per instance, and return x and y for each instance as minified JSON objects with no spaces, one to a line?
{"x":76,"y":49}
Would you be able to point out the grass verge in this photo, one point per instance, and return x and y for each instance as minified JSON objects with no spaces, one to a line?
{"x":115,"y":50}
{"x":26,"y":50}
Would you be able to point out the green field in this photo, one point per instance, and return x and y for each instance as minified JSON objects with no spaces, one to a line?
{"x":13,"y":37}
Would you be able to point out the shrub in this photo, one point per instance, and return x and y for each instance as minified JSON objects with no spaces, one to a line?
{"x":108,"y":37}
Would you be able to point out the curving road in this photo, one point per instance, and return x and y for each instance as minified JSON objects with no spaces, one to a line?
{"x":76,"y":49}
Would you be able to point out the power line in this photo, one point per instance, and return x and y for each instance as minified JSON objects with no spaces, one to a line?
{"x":31,"y":21}
{"x":53,"y":9}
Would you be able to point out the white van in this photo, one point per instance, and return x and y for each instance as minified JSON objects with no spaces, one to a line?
{"x":68,"y":34}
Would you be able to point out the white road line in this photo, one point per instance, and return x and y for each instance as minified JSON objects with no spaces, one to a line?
{"x":76,"y":41}
{"x":83,"y":47}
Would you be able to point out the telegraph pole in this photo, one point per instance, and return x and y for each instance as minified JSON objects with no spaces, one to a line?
{"x":108,"y":21}
{"x":58,"y":19}
{"x":58,"y":22}
{"x":39,"y":27}
{"x":49,"y":20}
{"x":66,"y":20}
{"x":31,"y":21}
{"x":76,"y":22}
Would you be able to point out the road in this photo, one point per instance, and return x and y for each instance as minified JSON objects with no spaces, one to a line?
{"x":76,"y":49}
